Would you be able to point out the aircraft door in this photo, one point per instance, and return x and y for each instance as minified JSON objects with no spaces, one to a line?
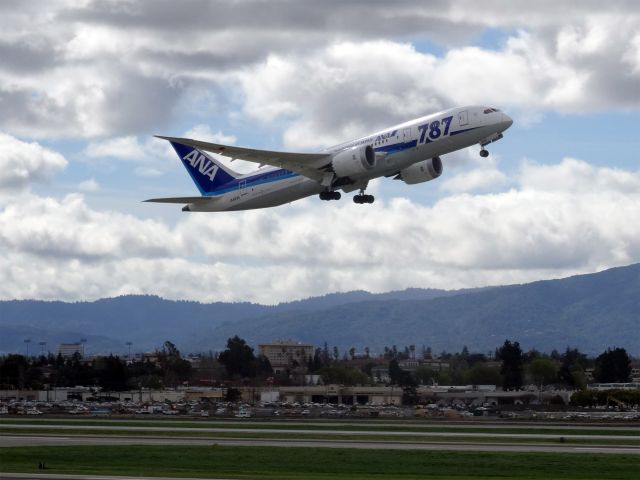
{"x":463,"y":118}
{"x":406,"y":134}
{"x":242,"y":187}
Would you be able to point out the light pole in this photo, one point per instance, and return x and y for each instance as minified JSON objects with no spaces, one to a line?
{"x":128,"y":344}
{"x":27,"y":341}
{"x":83,"y":341}
{"x":42,"y":344}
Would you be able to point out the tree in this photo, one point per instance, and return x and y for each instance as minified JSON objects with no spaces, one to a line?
{"x":325,"y":353}
{"x":343,"y":375}
{"x":481,"y":374}
{"x":13,"y":372}
{"x":426,"y":375}
{"x":263,"y":367}
{"x":174,"y":368}
{"x":512,"y":365}
{"x":232,"y":395}
{"x":543,"y":371}
{"x":571,"y":371}
{"x":111,"y":373}
{"x":238,"y":358}
{"x":399,"y":376}
{"x":395,"y":372}
{"x":316,"y":362}
{"x":613,"y":366}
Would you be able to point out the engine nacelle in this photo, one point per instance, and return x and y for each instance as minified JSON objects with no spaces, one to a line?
{"x":354,"y":162}
{"x":421,"y":171}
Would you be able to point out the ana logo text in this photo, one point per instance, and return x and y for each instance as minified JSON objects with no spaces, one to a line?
{"x":205,"y":166}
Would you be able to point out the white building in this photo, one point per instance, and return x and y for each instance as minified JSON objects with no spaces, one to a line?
{"x":68,"y":350}
{"x":286,"y":354}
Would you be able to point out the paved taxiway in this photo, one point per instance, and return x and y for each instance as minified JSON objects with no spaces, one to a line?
{"x":59,"y":440}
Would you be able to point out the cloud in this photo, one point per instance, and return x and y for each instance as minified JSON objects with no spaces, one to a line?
{"x":106,"y":69}
{"x":126,"y":148}
{"x":74,"y":231}
{"x":533,"y":230}
{"x":477,"y":180}
{"x":573,"y":175}
{"x":204,"y":132}
{"x":89,"y":185}
{"x":23,"y":163}
{"x":154,"y":155}
{"x":308,"y":74}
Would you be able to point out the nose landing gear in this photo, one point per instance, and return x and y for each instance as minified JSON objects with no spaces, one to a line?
{"x":484,"y":153}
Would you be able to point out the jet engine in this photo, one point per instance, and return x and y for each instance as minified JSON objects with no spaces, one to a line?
{"x":421,"y":172}
{"x":354,"y":162}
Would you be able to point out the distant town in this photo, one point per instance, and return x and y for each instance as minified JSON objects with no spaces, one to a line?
{"x":286,"y":377}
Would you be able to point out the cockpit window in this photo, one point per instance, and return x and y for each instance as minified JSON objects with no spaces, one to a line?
{"x":489,"y":110}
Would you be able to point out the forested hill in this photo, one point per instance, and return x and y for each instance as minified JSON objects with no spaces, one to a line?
{"x":148,"y":321}
{"x":591,"y":312}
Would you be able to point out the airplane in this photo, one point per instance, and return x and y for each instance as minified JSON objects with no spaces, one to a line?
{"x":409,"y":152}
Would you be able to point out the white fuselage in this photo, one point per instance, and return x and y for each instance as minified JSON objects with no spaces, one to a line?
{"x":396,"y":148}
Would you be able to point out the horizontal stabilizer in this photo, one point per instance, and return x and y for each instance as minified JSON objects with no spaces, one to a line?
{"x":180,"y":200}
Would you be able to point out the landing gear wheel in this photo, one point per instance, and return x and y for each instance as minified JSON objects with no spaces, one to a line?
{"x":362,"y":198}
{"x":484,"y":153}
{"x":330,"y":195}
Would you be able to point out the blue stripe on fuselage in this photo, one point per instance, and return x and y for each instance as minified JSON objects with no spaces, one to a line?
{"x":253,"y":181}
{"x":457,"y":132}
{"x":397,"y":147}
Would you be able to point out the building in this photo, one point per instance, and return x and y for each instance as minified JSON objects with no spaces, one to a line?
{"x":68,"y":350}
{"x":380,"y":374}
{"x":286,"y":354}
{"x":342,"y":394}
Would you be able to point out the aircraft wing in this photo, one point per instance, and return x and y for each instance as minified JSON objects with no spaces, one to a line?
{"x":179,"y":200}
{"x":311,"y":165}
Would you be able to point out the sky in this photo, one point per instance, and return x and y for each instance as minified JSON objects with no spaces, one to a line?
{"x":84,"y":86}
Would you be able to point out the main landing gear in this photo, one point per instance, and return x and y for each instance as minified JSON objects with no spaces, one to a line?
{"x":362,"y":198}
{"x":484,"y":153}
{"x":330,"y":196}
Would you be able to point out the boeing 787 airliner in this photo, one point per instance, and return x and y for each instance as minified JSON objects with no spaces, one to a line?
{"x":409,"y":152}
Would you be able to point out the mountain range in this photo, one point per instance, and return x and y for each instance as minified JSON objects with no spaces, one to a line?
{"x":591,"y":312}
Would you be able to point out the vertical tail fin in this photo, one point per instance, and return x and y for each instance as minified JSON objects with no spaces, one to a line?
{"x":207,"y":173}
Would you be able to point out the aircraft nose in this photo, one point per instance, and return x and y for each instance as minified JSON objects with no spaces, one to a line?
{"x":507,"y":121}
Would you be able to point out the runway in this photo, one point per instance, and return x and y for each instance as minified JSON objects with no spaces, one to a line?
{"x":337,"y":433}
{"x":61,"y":440}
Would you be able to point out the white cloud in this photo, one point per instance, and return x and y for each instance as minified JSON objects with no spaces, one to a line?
{"x":477,"y":180}
{"x":124,"y":68}
{"x":155,"y":156}
{"x":204,"y":132}
{"x":577,"y":176}
{"x":22,"y":163}
{"x":126,"y":148}
{"x":313,"y":74}
{"x":89,"y":185}
{"x":534,"y":230}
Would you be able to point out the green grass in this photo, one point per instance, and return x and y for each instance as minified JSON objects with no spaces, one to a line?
{"x":315,"y":464}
